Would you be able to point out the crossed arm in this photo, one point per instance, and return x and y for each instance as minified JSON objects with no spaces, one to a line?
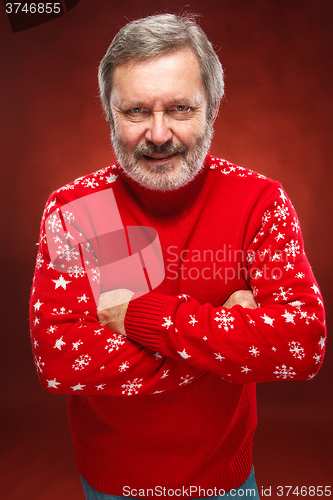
{"x":114,"y":316}
{"x":276,"y":331}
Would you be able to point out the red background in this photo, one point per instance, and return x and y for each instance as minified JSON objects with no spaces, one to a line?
{"x":276,"y":119}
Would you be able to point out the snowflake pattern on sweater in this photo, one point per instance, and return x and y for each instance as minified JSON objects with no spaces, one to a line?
{"x":283,"y":338}
{"x":72,"y":352}
{"x":181,"y":339}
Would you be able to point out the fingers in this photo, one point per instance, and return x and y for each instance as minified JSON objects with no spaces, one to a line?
{"x":114,"y":318}
{"x":244,"y":298}
{"x":103,"y":317}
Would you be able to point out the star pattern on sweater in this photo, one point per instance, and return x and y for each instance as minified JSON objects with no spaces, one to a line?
{"x":37,"y":305}
{"x":51,"y":329}
{"x":184,"y":354}
{"x":59,"y":343}
{"x":61,"y":282}
{"x":283,"y":195}
{"x":322,"y":342}
{"x":167,"y":322}
{"x":186,"y":380}
{"x":267,"y":319}
{"x":83,"y":298}
{"x":78,"y":387}
{"x":192,"y":321}
{"x":69,"y":319}
{"x":76,"y":345}
{"x":289,"y":317}
{"x":53,"y":383}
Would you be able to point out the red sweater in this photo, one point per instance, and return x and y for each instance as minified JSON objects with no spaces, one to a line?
{"x":189,"y":365}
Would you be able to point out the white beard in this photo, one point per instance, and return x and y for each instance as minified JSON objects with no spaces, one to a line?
{"x":163,"y":177}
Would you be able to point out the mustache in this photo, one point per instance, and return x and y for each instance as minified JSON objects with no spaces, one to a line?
{"x":151,"y":149}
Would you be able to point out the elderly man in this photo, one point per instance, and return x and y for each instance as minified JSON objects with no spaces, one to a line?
{"x":172,"y":277}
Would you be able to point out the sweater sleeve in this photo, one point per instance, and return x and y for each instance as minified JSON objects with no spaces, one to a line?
{"x":72,"y":352}
{"x":282,"y":339}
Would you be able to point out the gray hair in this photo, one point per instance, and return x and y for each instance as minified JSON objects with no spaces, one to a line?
{"x":154,"y":36}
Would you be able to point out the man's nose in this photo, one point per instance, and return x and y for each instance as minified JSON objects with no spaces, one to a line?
{"x":158,"y":131}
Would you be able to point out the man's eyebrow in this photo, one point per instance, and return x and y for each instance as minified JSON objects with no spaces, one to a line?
{"x":183,"y":100}
{"x":132,"y":104}
{"x":195,"y":100}
{"x":138,"y":103}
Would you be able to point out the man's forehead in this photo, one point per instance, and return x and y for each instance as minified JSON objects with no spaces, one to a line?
{"x":172,"y":77}
{"x":183,"y":51}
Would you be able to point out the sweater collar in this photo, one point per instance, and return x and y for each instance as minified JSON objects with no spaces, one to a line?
{"x":166,"y":202}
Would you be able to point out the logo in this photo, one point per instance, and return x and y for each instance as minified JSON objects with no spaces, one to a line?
{"x":87,"y":236}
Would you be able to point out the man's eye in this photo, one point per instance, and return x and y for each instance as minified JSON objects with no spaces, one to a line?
{"x":180,"y":108}
{"x":180,"y":111}
{"x":138,"y":110}
{"x":137,"y":113}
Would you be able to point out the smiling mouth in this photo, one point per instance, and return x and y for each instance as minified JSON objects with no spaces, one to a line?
{"x":159,"y":158}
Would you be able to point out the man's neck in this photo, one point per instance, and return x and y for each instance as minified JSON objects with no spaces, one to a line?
{"x":168,"y":202}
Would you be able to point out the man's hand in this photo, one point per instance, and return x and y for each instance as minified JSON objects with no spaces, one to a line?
{"x":244,"y":298}
{"x":111,"y":309}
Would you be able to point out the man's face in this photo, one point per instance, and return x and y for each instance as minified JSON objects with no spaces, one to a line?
{"x":159,"y":108}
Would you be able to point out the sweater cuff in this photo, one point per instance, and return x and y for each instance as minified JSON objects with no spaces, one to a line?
{"x":143,"y":320}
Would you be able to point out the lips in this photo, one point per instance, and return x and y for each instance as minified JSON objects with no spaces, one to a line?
{"x":158,"y":154}
{"x":159,"y":160}
{"x":155,"y":157}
